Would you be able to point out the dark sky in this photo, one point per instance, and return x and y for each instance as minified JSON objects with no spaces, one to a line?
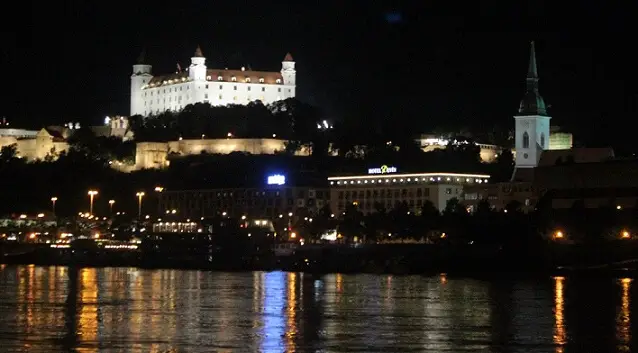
{"x":460,"y":63}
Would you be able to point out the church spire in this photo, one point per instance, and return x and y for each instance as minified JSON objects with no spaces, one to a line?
{"x":532,"y":103}
{"x":532,"y":71}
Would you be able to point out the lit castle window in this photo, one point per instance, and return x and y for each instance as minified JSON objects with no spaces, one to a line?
{"x":219,"y":78}
{"x":208,"y":78}
{"x":278,"y":81}
{"x":261,"y":80}
{"x":248,"y":79}
{"x":234,"y":79}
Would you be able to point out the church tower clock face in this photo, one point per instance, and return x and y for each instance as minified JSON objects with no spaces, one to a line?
{"x":525,"y":155}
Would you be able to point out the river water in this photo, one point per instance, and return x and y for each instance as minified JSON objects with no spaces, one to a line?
{"x":57,"y":309}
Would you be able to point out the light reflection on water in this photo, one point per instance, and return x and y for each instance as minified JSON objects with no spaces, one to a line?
{"x":51,"y":309}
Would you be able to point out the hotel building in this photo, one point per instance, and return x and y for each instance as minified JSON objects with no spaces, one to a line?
{"x":384,"y":187}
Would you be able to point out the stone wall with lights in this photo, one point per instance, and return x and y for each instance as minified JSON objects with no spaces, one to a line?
{"x":154,"y":155}
{"x":38,"y":147}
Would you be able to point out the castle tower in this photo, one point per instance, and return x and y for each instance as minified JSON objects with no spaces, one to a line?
{"x":288,"y":72}
{"x":532,"y":121}
{"x":197,"y":69}
{"x":140,"y":77}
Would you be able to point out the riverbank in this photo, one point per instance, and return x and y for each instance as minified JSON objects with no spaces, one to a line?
{"x":373,"y":258}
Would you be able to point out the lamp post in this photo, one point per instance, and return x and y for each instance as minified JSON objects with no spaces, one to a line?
{"x":92,"y":194}
{"x":53,"y":200}
{"x":139,"y":195}
{"x":158,"y":190}
{"x":111,"y":203}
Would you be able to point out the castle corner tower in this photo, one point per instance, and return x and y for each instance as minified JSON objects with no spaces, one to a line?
{"x":288,"y":72}
{"x":141,"y":76}
{"x":197,"y":69}
{"x":532,"y":121}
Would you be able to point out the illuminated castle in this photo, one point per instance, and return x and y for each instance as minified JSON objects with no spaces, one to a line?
{"x":198,"y":84}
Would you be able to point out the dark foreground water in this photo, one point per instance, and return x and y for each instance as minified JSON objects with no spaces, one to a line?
{"x":56,"y":309}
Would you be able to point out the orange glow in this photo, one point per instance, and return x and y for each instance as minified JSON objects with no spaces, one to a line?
{"x":560,"y":332}
{"x":623,"y":318}
{"x":625,"y":234}
{"x":293,"y":235}
{"x":559,"y":235}
{"x":291,"y":311}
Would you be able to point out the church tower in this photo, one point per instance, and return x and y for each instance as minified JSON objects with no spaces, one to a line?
{"x":141,"y":76}
{"x":532,"y":121}
{"x":288,"y":72}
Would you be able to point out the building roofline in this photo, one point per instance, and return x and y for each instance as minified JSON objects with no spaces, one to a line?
{"x":411,"y":175}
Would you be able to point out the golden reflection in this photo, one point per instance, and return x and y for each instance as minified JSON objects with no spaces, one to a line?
{"x":52,"y":281}
{"x":560,"y":333}
{"x":2,"y":267}
{"x":623,"y":319}
{"x":88,"y":314}
{"x":30,"y":298}
{"x":291,"y":312}
{"x":339,"y":281}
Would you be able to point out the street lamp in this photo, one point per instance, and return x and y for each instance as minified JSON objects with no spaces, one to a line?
{"x":139,"y":195}
{"x":159,"y":188}
{"x":111,"y":202}
{"x":92,"y":194}
{"x":53,"y":200}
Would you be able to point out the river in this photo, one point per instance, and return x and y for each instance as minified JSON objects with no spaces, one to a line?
{"x":58,"y":309}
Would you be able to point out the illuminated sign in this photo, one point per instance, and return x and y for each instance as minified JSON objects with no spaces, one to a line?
{"x":276,"y":179}
{"x":383,"y":170}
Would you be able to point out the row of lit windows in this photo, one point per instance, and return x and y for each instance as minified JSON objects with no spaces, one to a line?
{"x":248,"y":88}
{"x":208,"y":78}
{"x":383,"y":192}
{"x":234,"y":79}
{"x":410,"y":180}
{"x":373,"y":205}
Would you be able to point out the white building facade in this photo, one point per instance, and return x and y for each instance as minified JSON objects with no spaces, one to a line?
{"x":198,"y":84}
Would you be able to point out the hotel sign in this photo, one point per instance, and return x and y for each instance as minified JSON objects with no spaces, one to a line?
{"x":276,"y":179}
{"x":384,"y":169}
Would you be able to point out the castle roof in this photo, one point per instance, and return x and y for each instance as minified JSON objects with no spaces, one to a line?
{"x":198,"y":52}
{"x":214,"y":75}
{"x":288,"y":57}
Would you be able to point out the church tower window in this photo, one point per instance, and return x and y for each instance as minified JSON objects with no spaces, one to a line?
{"x":525,"y":140}
{"x":542,"y":139}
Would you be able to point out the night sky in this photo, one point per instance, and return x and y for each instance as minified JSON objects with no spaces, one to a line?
{"x":460,"y":64}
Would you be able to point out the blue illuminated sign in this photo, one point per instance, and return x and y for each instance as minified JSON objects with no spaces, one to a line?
{"x":276,"y":179}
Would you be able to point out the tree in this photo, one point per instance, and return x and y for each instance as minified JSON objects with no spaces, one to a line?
{"x":504,"y":165}
{"x":454,"y":207}
{"x":430,"y":217}
{"x":8,"y":153}
{"x":455,"y":218}
{"x":352,"y":223}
